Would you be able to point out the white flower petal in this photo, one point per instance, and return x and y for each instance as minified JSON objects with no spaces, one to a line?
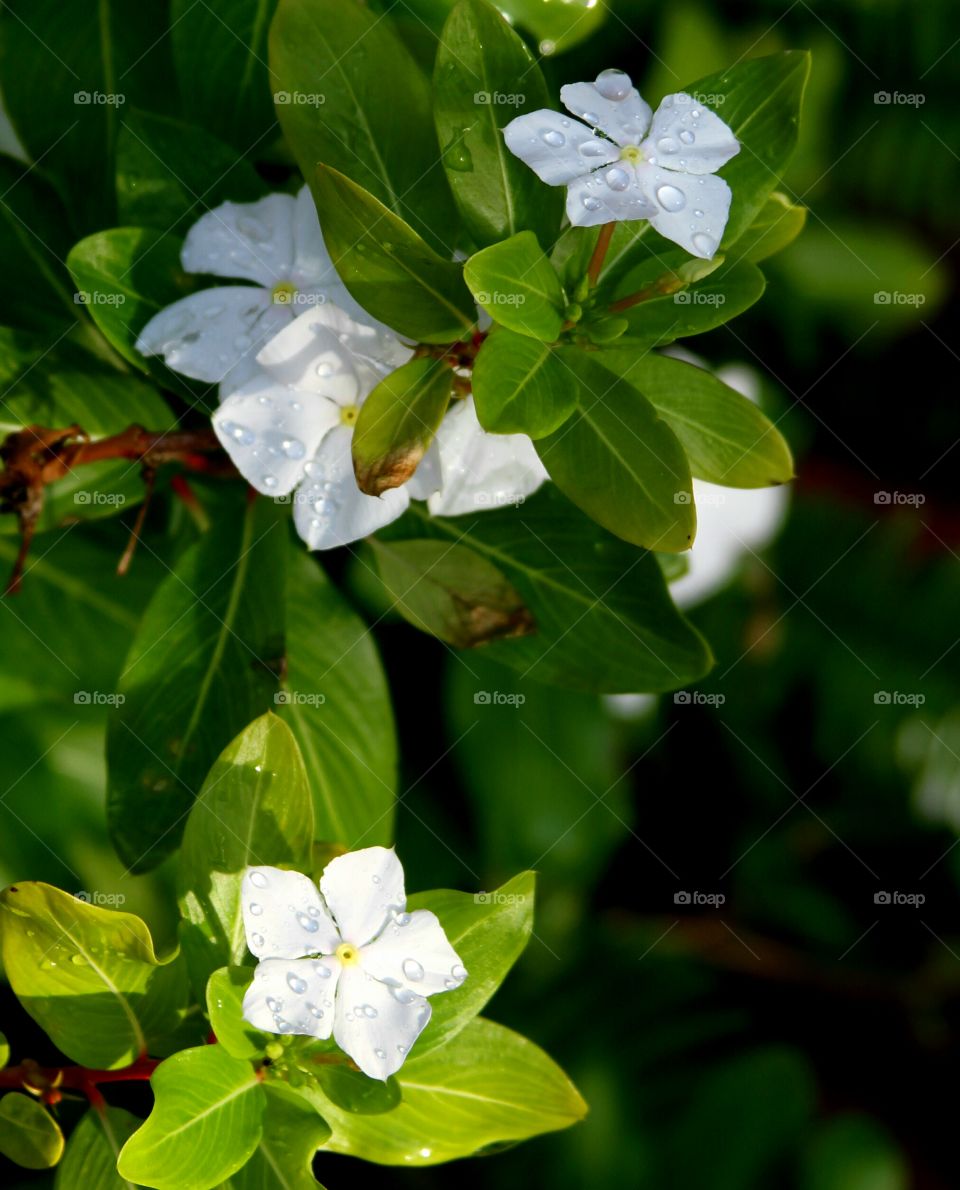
{"x":308,"y":356}
{"x":248,"y":239}
{"x":692,"y":211}
{"x":271,"y":431}
{"x":365,"y":337}
{"x":283,"y":915}
{"x":312,"y":266}
{"x":413,"y":952}
{"x":428,"y":476}
{"x":293,"y":996}
{"x":206,"y":335}
{"x":687,"y":136}
{"x":608,"y":195}
{"x":329,"y":509}
{"x":625,"y":120}
{"x":555,"y":147}
{"x":377,"y":1025}
{"x":482,"y":470}
{"x":363,"y":889}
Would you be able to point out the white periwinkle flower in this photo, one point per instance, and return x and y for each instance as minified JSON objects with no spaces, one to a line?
{"x":291,"y":425}
{"x":351,"y":962}
{"x":629,"y":165}
{"x":214,"y":335}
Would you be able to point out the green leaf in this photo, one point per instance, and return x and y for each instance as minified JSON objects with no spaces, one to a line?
{"x":337,"y":702}
{"x":67,"y":84}
{"x":100,"y":400}
{"x":451,"y":592}
{"x":521,"y":386}
{"x":557,"y":24}
{"x":220,"y":55}
{"x":253,"y":808}
{"x":129,"y":274}
{"x":349,"y":95}
{"x":225,"y":992}
{"x":777,"y":224}
{"x":487,"y":1086}
{"x":690,"y":310}
{"x":726,"y":438}
{"x":386,"y":265}
{"x":292,"y":1133}
{"x":202,"y":665}
{"x":169,"y":173}
{"x":619,"y":462}
{"x":397,"y":423}
{"x":604,"y":619}
{"x":489,"y":932}
{"x":517,"y":286}
{"x":357,"y":1094}
{"x":205,"y":1124}
{"x":853,"y":1152}
{"x":91,"y":1154}
{"x":4,"y":1051}
{"x":484,"y":77}
{"x":88,"y":976}
{"x":29,"y":1135}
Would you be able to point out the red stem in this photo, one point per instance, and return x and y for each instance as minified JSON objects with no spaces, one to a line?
{"x":49,"y":1081}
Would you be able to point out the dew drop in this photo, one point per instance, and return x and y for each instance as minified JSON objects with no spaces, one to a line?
{"x":315,"y":1011}
{"x":268,"y":481}
{"x":324,"y":370}
{"x":590,"y":117}
{"x":593,"y":148}
{"x":698,"y":213}
{"x":591,"y":203}
{"x":274,"y":1004}
{"x":411,"y":968}
{"x":666,"y":144}
{"x":78,"y":960}
{"x":704,"y":243}
{"x":310,"y":924}
{"x":257,"y":940}
{"x":296,"y":984}
{"x":255,"y":908}
{"x":366,"y":1010}
{"x":321,"y":970}
{"x":613,"y":84}
{"x":401,"y":1050}
{"x":380,"y":1054}
{"x":459,"y":972}
{"x":553,"y":138}
{"x":401,"y":994}
{"x":617,"y":179}
{"x":687,"y":136}
{"x":670,"y":198}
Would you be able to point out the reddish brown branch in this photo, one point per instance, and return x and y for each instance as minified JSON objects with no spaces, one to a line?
{"x":599,"y":253}
{"x":49,"y":1082}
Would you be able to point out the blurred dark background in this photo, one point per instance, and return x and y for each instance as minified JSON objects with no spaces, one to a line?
{"x":798,"y":1027}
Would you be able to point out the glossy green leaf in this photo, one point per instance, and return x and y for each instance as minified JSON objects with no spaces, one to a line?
{"x":397,"y":423}
{"x":489,"y":931}
{"x":618,"y":461}
{"x":220,"y":55}
{"x":590,"y":594}
{"x":517,"y":286}
{"x":130,"y":274}
{"x":205,"y":1123}
{"x":348,"y":94}
{"x":292,"y":1133}
{"x":4,"y":1051}
{"x":337,"y":702}
{"x":169,"y":173}
{"x":68,"y":83}
{"x":29,"y":1135}
{"x":484,"y":77}
{"x":352,"y":1091}
{"x":487,"y":1086}
{"x":203,"y":664}
{"x":90,"y":1158}
{"x":451,"y":592}
{"x":554,"y":25}
{"x":776,"y":224}
{"x":87,"y":975}
{"x":253,"y":808}
{"x":386,"y":265}
{"x":521,"y":385}
{"x":225,"y":992}
{"x":694,"y":309}
{"x":726,"y":438}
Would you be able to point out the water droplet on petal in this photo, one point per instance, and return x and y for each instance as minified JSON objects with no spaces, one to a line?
{"x":401,"y":994}
{"x":704,"y":243}
{"x":310,"y":924}
{"x":324,"y":370}
{"x":268,"y":481}
{"x":380,"y":1054}
{"x":670,"y":198}
{"x":699,"y":214}
{"x":553,"y":138}
{"x":590,"y":117}
{"x":315,"y":1011}
{"x":401,"y":1050}
{"x":257,"y":940}
{"x":666,"y":144}
{"x":459,"y":972}
{"x":411,"y":968}
{"x":296,"y":984}
{"x":255,"y":909}
{"x":591,"y":203}
{"x":273,"y":1004}
{"x":687,"y":136}
{"x":594,"y":148}
{"x":613,"y":84}
{"x":616,"y":178}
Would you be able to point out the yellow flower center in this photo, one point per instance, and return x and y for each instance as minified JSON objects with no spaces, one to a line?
{"x":632,"y":154}
{"x":283,"y":293}
{"x":348,"y":955}
{"x":349,"y":415}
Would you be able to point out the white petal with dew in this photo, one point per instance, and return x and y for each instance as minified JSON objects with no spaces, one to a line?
{"x":555,"y":147}
{"x":608,"y":195}
{"x":691,"y":210}
{"x":293,"y":996}
{"x":253,"y":240}
{"x":363,"y":889}
{"x":413,"y":953}
{"x":284,"y":916}
{"x":624,"y":120}
{"x":375,"y":1024}
{"x":687,"y":136}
